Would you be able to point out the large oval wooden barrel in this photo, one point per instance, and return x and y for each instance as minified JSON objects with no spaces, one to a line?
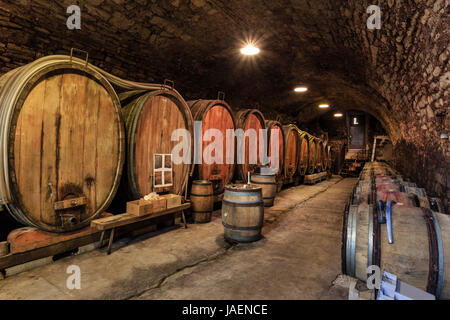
{"x":268,"y":185}
{"x":419,"y":254}
{"x":313,"y":148}
{"x":292,"y":153}
{"x":319,"y":159}
{"x":251,"y":121}
{"x":304,"y":153}
{"x":242,"y":213}
{"x":202,"y":198}
{"x":62,"y":143}
{"x":151,"y":117}
{"x":275,"y":125}
{"x":215,"y":115}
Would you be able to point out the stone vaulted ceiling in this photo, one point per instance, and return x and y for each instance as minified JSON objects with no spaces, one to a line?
{"x":396,"y":73}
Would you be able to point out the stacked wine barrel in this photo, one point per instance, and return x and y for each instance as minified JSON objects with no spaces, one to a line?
{"x":63,"y":143}
{"x":69,"y":143}
{"x":388,"y":225}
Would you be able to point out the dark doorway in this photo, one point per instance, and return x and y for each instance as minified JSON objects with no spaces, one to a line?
{"x":357,"y":131}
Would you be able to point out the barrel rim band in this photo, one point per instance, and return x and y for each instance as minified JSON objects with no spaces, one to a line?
{"x":440,"y":283}
{"x":243,"y":204}
{"x":234,"y":228}
{"x":202,"y":195}
{"x":201,"y":211}
{"x":267,"y":183}
{"x":433,"y":271}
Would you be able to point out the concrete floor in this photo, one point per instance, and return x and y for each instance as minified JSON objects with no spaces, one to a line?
{"x":298,"y":258}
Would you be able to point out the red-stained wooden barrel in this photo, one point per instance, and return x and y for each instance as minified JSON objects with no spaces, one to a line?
{"x":319,"y":159}
{"x":275,"y":125}
{"x":214,"y":114}
{"x":251,"y":121}
{"x":151,"y":117}
{"x":313,"y":148}
{"x":304,"y":153}
{"x":292,"y":151}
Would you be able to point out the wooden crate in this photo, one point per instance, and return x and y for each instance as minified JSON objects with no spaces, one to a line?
{"x":143,"y":207}
{"x":173,"y":200}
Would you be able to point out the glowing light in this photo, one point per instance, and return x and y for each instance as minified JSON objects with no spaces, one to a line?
{"x":301,"y":89}
{"x":250,"y":50}
{"x":338,"y":115}
{"x":324,"y":106}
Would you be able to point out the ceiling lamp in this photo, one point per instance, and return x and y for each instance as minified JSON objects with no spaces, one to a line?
{"x":338,"y":115}
{"x":250,"y":50}
{"x":324,"y":106}
{"x":301,"y":89}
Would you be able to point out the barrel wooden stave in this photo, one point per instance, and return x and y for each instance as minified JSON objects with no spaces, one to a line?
{"x":275,"y":125}
{"x":214,"y":114}
{"x":242,"y":213}
{"x":313,"y":149}
{"x":202,"y":199}
{"x":292,"y":154}
{"x":69,"y":115}
{"x":151,"y":117}
{"x":250,"y":119}
{"x":268,"y":185}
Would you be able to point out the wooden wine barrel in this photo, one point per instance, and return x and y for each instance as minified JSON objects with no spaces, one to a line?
{"x":292,"y":154}
{"x":275,"y":125}
{"x":242,"y":213}
{"x":329,"y":158}
{"x":151,"y":117}
{"x":419,"y":254}
{"x":62,"y":143}
{"x":313,"y":148}
{"x":251,"y":121}
{"x":319,"y":159}
{"x":202,"y":199}
{"x":216,"y":115}
{"x":268,"y":185}
{"x":304,"y":153}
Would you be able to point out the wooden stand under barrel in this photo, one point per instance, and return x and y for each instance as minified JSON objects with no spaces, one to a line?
{"x":120,"y":220}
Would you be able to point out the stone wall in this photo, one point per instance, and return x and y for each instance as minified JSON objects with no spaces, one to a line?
{"x":398,"y":74}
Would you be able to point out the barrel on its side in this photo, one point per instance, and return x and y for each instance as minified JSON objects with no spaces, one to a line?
{"x":151,"y":117}
{"x":419,"y":252}
{"x":304,"y":153}
{"x":215,"y":115}
{"x":319,"y":159}
{"x":202,"y":199}
{"x":252,"y":122}
{"x":268,"y":185}
{"x":62,"y":143}
{"x":242,"y":213}
{"x":292,"y":154}
{"x":312,"y":166}
{"x":279,"y":158}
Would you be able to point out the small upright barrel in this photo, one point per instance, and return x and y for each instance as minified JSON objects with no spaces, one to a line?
{"x":62,"y":143}
{"x":268,"y":185}
{"x":216,"y":115}
{"x":151,"y":118}
{"x":292,"y":154}
{"x":251,"y":121}
{"x":202,"y":199}
{"x":242,"y":213}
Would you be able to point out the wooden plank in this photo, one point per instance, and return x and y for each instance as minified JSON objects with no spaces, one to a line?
{"x":127,"y":218}
{"x":20,"y":258}
{"x":70,"y":203}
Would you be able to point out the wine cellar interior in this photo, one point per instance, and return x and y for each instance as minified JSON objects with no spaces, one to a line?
{"x":225,"y":150}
